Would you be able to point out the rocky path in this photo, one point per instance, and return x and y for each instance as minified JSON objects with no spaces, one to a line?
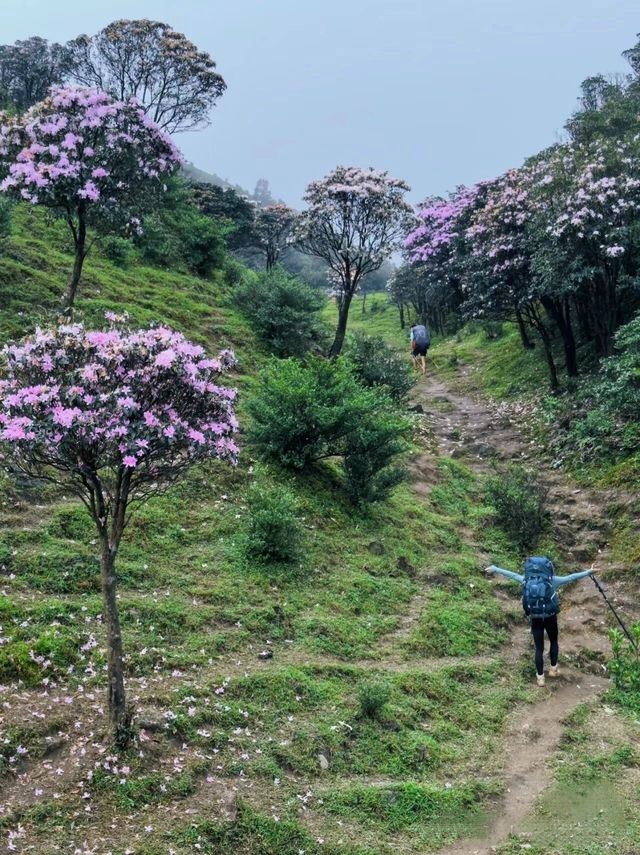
{"x":478,"y":433}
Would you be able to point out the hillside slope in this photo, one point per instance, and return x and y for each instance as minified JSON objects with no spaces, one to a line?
{"x":362,"y":702}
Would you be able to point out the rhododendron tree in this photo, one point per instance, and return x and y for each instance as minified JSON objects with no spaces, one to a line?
{"x":114,"y":416}
{"x":175,"y":83}
{"x":94,"y":161}
{"x":438,"y":251}
{"x":354,"y":220}
{"x":589,"y":202}
{"x":272,"y":231}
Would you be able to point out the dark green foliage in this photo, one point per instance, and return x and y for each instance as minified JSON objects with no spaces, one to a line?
{"x":227,"y":207}
{"x":303,"y":411}
{"x":283,"y":311}
{"x":177,"y":235}
{"x":307,"y":412}
{"x":377,"y":364}
{"x":275,"y":533}
{"x":601,"y":420}
{"x":518,"y":498}
{"x":373,"y":696}
{"x":619,"y":388}
{"x":370,"y":452}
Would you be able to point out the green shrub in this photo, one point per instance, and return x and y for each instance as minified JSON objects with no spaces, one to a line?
{"x":177,"y":235}
{"x":625,"y":668}
{"x":284,"y":312}
{"x":377,"y":364}
{"x":518,"y":498}
{"x":118,"y":250}
{"x":373,"y":696}
{"x":307,"y":412}
{"x":370,"y":454}
{"x":619,"y":388}
{"x":302,"y":412}
{"x":276,"y":533}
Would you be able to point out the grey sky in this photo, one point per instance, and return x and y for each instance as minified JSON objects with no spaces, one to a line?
{"x":438,"y":93}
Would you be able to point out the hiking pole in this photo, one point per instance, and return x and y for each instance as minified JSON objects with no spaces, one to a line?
{"x":615,"y":613}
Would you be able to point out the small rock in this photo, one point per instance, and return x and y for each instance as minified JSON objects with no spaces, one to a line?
{"x":417,"y":408}
{"x":376,"y":547}
{"x":265,"y":654}
{"x":323,"y":761}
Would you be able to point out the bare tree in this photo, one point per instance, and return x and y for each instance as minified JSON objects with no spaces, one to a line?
{"x":176,"y":83}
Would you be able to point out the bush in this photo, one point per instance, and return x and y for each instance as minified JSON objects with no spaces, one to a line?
{"x":177,"y":235}
{"x":275,"y":530}
{"x":370,"y":473}
{"x":118,"y":250}
{"x":377,"y":364}
{"x":619,"y":387}
{"x":304,"y":413}
{"x":602,"y":419}
{"x":518,"y":498}
{"x":283,"y":311}
{"x":373,"y":696}
{"x":625,"y":668}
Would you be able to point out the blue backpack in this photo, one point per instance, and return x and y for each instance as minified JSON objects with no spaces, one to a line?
{"x":539,"y":597}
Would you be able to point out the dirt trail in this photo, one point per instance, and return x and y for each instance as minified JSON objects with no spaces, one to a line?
{"x":475,"y":431}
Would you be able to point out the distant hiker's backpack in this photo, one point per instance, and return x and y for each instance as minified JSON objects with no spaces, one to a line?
{"x":539,"y":597}
{"x":421,"y":337}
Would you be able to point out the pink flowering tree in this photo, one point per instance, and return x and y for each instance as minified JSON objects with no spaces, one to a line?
{"x":437,"y":252}
{"x":94,"y":161}
{"x":114,"y":416}
{"x":354,"y":220}
{"x":588,"y":198}
{"x":272,"y":232}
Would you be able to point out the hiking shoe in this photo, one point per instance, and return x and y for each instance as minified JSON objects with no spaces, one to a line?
{"x":540,"y":679}
{"x":554,"y":671}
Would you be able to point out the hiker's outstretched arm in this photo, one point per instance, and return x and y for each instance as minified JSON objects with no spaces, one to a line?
{"x":508,"y":573}
{"x":559,"y":581}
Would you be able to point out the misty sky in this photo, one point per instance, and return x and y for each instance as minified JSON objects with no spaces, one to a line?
{"x":438,"y":93}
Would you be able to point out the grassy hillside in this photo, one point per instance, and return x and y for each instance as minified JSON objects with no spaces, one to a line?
{"x":377,"y":724}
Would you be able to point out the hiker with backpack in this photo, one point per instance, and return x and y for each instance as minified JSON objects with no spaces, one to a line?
{"x":420,"y":340}
{"x":541,"y":604}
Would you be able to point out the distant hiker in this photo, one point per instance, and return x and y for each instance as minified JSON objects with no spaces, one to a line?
{"x":420,"y":340}
{"x":541,"y":604}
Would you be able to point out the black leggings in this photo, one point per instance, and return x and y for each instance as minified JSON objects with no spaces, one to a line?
{"x":538,"y":627}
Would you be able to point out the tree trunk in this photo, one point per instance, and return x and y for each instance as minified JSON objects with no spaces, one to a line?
{"x":538,"y":324}
{"x":115,"y":672}
{"x":560,"y":312}
{"x":343,"y":316}
{"x":76,"y":273}
{"x":402,"y":321}
{"x":522,"y":329}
